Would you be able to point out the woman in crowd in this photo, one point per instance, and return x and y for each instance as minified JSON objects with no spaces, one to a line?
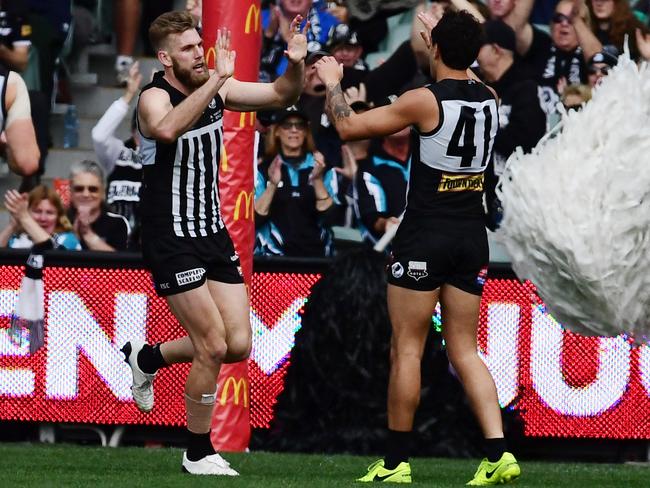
{"x":612,"y":20}
{"x":295,"y":197}
{"x":98,"y":229}
{"x":35,"y":218}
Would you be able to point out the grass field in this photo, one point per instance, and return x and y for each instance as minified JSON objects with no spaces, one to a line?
{"x":67,"y":465}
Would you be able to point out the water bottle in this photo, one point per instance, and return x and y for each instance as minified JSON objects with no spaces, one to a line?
{"x":70,"y":128}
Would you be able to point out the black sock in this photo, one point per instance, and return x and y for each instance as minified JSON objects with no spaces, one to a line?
{"x":398,"y":449}
{"x":494,"y":448}
{"x":199,"y":446}
{"x":150,"y":359}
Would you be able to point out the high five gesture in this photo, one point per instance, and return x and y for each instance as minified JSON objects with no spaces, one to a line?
{"x":225,"y":57}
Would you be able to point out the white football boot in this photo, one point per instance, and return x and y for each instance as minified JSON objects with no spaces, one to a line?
{"x":142,"y":386}
{"x":213,"y":465}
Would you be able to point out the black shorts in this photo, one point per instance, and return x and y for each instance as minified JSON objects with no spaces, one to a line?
{"x":450,"y":252}
{"x":179,"y":264}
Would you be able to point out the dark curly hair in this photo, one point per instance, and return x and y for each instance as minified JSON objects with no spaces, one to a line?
{"x":459,"y":38}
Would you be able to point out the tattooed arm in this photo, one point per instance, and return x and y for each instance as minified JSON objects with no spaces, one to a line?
{"x":415,"y":107}
{"x":336,"y":106}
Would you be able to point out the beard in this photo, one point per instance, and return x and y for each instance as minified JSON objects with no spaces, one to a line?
{"x":189,"y":77}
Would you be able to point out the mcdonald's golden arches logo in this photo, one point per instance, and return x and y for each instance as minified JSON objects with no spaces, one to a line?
{"x":239,"y":386}
{"x":211,"y":54}
{"x":253,"y":15}
{"x":242,"y":119}
{"x":248,"y":197}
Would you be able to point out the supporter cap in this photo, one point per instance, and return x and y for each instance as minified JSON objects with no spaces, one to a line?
{"x":499,"y":33}
{"x":292,"y":111}
{"x":603,"y":57}
{"x":341,"y":34}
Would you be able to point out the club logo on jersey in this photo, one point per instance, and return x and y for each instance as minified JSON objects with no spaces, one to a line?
{"x":397,"y":270}
{"x":190,"y":276}
{"x":417,"y":270}
{"x":450,"y":182}
{"x":482,"y":276}
{"x":212,"y":104}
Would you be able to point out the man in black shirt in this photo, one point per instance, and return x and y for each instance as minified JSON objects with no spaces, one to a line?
{"x":522,"y":121}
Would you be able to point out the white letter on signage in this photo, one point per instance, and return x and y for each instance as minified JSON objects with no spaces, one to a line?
{"x":271,"y":346}
{"x":72,"y":328}
{"x":13,"y":381}
{"x":644,"y":366}
{"x":546,"y":369}
{"x":501,"y":356}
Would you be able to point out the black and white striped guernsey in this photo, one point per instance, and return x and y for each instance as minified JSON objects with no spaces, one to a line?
{"x":180,"y":180}
{"x":447,"y":165}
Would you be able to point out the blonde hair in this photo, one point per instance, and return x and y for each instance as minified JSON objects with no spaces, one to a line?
{"x":169,"y":23}
{"x":42,"y":192}
{"x":583,"y":91}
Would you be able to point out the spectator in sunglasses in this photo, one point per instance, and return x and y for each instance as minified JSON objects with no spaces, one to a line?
{"x":296,"y":199}
{"x":561,"y":57}
{"x":599,"y":66}
{"x":97,"y":229}
{"x":612,"y":21}
{"x":37,"y":217}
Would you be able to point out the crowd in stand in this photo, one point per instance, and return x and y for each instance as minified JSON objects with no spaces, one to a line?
{"x":542,"y":57}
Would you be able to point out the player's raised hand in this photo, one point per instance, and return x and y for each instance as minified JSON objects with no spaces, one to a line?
{"x":225,"y":57}
{"x":329,"y":70}
{"x":297,"y":42}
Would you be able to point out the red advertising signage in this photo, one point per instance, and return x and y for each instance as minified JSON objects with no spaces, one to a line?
{"x":562,"y":384}
{"x":231,"y":421}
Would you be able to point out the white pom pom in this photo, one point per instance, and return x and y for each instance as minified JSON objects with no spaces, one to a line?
{"x":577,"y":210}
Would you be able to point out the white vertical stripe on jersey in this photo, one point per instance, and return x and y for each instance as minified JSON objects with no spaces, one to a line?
{"x":176,"y":189}
{"x":216,"y":156}
{"x":217,"y":160}
{"x":190,"y":199}
{"x":202,"y":214}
